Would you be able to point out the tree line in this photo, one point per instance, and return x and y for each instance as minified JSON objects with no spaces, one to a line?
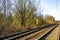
{"x":21,"y":17}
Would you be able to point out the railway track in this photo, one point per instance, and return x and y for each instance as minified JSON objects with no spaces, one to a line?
{"x":52,"y":35}
{"x":28,"y":35}
{"x":40,"y":35}
{"x":59,"y":34}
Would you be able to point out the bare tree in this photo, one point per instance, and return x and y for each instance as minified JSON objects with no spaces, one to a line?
{"x":4,"y":6}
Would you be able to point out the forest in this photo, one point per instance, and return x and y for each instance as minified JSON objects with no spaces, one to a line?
{"x":20,"y":15}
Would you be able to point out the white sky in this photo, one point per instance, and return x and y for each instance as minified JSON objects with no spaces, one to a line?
{"x":49,"y":7}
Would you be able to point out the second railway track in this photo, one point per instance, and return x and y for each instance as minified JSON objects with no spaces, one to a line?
{"x":30,"y":35}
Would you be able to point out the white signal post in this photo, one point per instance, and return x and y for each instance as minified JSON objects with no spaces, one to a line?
{"x":37,"y":21}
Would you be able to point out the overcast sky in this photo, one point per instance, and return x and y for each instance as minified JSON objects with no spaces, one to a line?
{"x":49,"y":7}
